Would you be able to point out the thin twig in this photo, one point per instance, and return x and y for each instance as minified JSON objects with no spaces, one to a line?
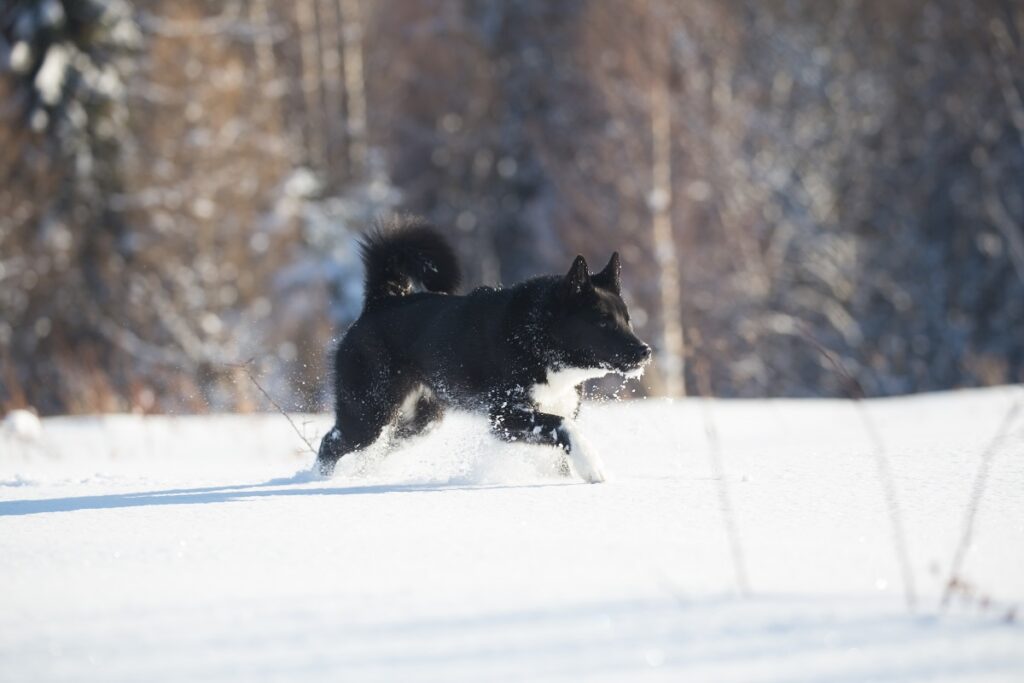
{"x":855,"y":391}
{"x":739,"y":562}
{"x":247,"y":368}
{"x":851,"y":386}
{"x":974,"y":502}
{"x":891,"y":502}
{"x":732,"y":533}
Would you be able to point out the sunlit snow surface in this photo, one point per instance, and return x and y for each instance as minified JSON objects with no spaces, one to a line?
{"x":198,"y":549}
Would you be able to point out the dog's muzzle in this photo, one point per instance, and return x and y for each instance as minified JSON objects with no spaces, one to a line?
{"x":637,"y":357}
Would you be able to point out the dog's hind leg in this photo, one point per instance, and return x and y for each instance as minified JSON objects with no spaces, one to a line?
{"x":358,"y":424}
{"x":419,"y":411}
{"x":368,"y":399}
{"x":332,"y":447}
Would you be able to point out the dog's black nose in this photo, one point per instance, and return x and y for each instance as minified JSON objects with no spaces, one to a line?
{"x":640,"y":353}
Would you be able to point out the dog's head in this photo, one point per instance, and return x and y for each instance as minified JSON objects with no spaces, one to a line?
{"x":590,"y":324}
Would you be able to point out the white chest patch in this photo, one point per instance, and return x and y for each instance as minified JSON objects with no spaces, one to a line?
{"x":557,"y":394}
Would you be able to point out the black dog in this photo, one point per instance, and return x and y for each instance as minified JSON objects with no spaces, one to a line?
{"x":520,"y":354}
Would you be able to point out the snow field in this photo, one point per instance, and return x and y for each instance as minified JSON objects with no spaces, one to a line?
{"x":199,"y":548}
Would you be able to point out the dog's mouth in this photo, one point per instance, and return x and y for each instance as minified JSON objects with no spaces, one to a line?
{"x":634,"y":372}
{"x":630,"y":364}
{"x":631,"y":370}
{"x":634,"y":365}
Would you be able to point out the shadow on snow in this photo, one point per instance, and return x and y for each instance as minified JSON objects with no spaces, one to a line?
{"x":228,"y":494}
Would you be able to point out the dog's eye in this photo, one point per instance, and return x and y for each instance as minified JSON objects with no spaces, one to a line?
{"x":604,"y":324}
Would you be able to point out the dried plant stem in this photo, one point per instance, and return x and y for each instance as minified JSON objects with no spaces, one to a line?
{"x":247,"y":368}
{"x":885,"y":478}
{"x":974,"y":502}
{"x":855,"y":391}
{"x":732,"y":533}
{"x":739,"y":561}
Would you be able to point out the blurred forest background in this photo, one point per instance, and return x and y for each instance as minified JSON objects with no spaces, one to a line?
{"x":182,"y":181}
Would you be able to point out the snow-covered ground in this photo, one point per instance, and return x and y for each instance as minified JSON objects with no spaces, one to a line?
{"x":194,"y":548}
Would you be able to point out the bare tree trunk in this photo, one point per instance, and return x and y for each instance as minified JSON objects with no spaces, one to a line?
{"x":355,"y":83}
{"x":672,"y":352}
{"x":268,"y":86}
{"x":266,"y":62}
{"x":998,"y":213}
{"x":328,"y":30}
{"x":305,"y":15}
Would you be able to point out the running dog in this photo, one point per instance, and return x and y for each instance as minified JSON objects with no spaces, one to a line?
{"x":518,"y":354}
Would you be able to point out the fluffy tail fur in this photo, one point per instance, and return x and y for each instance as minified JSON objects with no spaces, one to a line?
{"x":403,"y":252}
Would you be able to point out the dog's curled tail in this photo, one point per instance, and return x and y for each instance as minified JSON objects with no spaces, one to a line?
{"x":404,"y":251}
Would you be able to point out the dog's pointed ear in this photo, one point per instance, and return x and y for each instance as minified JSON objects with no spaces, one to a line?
{"x":577,"y":280}
{"x":611,"y":277}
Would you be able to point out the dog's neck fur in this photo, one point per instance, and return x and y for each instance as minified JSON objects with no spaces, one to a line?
{"x":526,"y":322}
{"x":557,"y":394}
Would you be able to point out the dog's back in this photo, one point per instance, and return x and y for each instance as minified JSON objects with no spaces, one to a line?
{"x":430,"y":337}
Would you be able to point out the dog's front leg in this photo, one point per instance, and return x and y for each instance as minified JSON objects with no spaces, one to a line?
{"x":514,"y":422}
{"x":517,"y":422}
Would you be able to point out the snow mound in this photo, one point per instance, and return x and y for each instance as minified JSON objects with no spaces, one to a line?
{"x":21,"y":425}
{"x":459,"y":451}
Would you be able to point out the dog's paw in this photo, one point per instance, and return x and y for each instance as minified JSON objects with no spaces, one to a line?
{"x":585,"y":460}
{"x":590,"y":469}
{"x":592,"y":475}
{"x":322,"y":469}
